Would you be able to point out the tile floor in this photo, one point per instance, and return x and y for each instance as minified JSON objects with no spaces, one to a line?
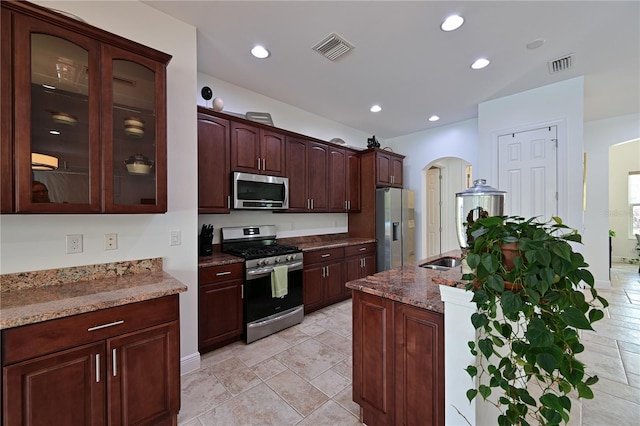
{"x":302,"y":375}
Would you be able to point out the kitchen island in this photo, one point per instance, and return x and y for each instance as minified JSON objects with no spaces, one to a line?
{"x":398,"y":344}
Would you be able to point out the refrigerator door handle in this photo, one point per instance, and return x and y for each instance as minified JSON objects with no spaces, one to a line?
{"x":396,"y":231}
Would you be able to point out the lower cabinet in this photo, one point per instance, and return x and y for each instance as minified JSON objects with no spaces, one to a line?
{"x":398,"y":362}
{"x":323,"y":280}
{"x":117,"y":366}
{"x":220,"y":311}
{"x":360,"y":262}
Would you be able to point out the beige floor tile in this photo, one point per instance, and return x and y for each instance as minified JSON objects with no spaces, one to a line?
{"x":617,"y":389}
{"x":336,"y":341}
{"x":299,"y":393}
{"x":609,"y":367}
{"x":631,"y":362}
{"x":258,"y":406}
{"x":211,"y":358}
{"x":293,"y":335}
{"x":201,"y":391}
{"x":310,"y":358}
{"x":260,"y":350}
{"x":311,"y":328}
{"x":330,"y":414}
{"x":629,"y":347}
{"x":330,"y":382}
{"x":345,"y":399}
{"x":634,"y":380}
{"x":345,"y":368}
{"x":235,"y":376}
{"x":605,"y":409}
{"x":268,"y":368}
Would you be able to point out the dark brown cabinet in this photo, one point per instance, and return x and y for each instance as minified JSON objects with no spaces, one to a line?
{"x":398,"y":362}
{"x":344,"y":180}
{"x":388,"y":169}
{"x":353,"y":181}
{"x":323,"y":278}
{"x":220,"y":312}
{"x":307,"y":169}
{"x":257,"y":150}
{"x":214,"y":183}
{"x":360,"y":262}
{"x":103,"y":95}
{"x":117,"y":366}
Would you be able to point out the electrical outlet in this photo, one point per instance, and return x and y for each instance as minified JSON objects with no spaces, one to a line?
{"x":74,"y":243}
{"x":110,"y":241}
{"x":176,"y":238}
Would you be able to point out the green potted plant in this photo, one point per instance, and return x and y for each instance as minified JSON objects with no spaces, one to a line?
{"x":527,"y":286}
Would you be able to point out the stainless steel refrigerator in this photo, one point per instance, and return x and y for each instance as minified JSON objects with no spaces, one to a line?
{"x":395,"y":227}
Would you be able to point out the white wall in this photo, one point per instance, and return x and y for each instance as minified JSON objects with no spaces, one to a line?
{"x":623,"y":158}
{"x":423,"y":149}
{"x":36,"y":242}
{"x":599,"y":136}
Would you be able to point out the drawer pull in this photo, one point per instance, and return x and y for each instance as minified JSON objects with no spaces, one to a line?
{"x":97,"y":368}
{"x":222,"y":274}
{"x":326,"y":255}
{"x":111,"y":324}
{"x":363,"y":249}
{"x":114,"y":362}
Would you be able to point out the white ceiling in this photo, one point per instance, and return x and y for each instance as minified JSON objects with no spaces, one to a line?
{"x":405,"y":63}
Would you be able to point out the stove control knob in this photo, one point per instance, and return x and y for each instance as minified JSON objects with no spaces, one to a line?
{"x":276,"y":260}
{"x":294,"y":256}
{"x":289,"y":257}
{"x":260,"y":262}
{"x":266,"y":261}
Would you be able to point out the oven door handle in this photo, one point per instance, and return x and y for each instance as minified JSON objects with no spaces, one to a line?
{"x":255,"y":274}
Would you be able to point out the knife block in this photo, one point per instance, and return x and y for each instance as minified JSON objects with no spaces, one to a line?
{"x":205,"y":246}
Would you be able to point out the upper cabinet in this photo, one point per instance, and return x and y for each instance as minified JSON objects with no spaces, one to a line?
{"x":88,"y":133}
{"x":257,"y":150}
{"x":307,"y":170}
{"x":214,"y":184}
{"x":344,"y":180}
{"x":389,"y":169}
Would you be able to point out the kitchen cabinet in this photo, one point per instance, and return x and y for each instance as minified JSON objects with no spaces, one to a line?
{"x":214,"y":184}
{"x":114,"y":366}
{"x":84,"y":103}
{"x":398,"y":362}
{"x":220,"y":311}
{"x":374,"y":163}
{"x":307,"y":169}
{"x":257,"y":150}
{"x":388,"y":169}
{"x":323,"y":278}
{"x":360,"y":262}
{"x":344,"y":180}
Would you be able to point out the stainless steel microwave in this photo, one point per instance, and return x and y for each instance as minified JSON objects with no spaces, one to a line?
{"x":260,"y":192}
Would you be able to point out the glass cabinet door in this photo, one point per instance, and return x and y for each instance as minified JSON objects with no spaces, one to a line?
{"x":133,"y":133}
{"x":56,"y":119}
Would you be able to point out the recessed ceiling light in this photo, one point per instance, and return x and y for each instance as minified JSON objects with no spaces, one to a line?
{"x":480,"y":63}
{"x":453,"y":22}
{"x":434,"y":118}
{"x":376,"y":108}
{"x":536,"y":43}
{"x":54,"y":132}
{"x":259,"y":52}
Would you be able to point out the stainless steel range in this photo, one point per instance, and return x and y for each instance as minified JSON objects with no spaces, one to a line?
{"x":271,"y":269}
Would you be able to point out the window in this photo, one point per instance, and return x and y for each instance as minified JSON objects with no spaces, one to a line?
{"x":634,"y":201}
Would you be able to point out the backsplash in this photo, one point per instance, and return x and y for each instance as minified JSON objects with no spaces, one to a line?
{"x":49,"y":277}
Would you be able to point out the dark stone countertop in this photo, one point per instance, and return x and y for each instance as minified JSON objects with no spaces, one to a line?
{"x":412,"y":284}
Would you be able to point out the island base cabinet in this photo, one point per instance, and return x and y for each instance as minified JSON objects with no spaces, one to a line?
{"x":398,"y":362}
{"x":419,"y":366}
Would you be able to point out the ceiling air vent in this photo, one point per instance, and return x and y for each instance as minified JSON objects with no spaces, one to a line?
{"x":561,"y":64}
{"x":333,"y":46}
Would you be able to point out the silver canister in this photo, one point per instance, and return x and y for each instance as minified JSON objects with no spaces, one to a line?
{"x":477,"y":202}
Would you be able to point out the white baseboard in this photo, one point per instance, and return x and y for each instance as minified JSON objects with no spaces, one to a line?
{"x":189,"y":363}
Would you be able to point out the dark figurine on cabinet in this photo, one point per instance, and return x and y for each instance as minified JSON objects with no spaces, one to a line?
{"x":372,"y":142}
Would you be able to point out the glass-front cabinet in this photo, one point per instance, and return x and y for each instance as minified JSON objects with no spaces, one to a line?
{"x":89,"y":118}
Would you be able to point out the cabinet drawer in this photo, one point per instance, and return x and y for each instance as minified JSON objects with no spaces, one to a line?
{"x":220,"y":273}
{"x":360,"y":249}
{"x":33,"y":340}
{"x":323,"y":255}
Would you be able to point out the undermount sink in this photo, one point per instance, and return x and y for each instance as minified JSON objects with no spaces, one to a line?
{"x":442,"y":264}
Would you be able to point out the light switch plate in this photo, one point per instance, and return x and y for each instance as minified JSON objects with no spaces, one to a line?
{"x":176,"y":238}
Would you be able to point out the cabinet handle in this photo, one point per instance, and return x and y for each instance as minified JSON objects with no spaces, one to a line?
{"x":327,"y":271}
{"x":323,"y":271}
{"x":349,"y":205}
{"x":221,"y":274}
{"x":326,"y":255}
{"x":97,"y":368}
{"x":228,"y":201}
{"x":258,"y":163}
{"x":264,"y":164}
{"x":364,"y":262}
{"x":361,"y":263}
{"x":111,"y":324}
{"x":346,"y":205}
{"x":363,"y":249}
{"x":114,"y":362}
{"x":242,"y":291}
{"x":312,"y":204}
{"x":308,"y":204}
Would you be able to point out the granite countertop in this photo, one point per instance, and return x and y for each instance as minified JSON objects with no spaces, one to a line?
{"x":412,"y":284}
{"x":29,"y":298}
{"x":307,"y":243}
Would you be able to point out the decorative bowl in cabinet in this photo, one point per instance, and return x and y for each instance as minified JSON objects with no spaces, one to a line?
{"x":138,"y":164}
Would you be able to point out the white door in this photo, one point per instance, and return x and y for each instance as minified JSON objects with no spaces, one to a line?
{"x":527,"y":170}
{"x":434,"y":204}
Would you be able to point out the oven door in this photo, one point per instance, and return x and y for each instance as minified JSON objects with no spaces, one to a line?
{"x":258,"y":302}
